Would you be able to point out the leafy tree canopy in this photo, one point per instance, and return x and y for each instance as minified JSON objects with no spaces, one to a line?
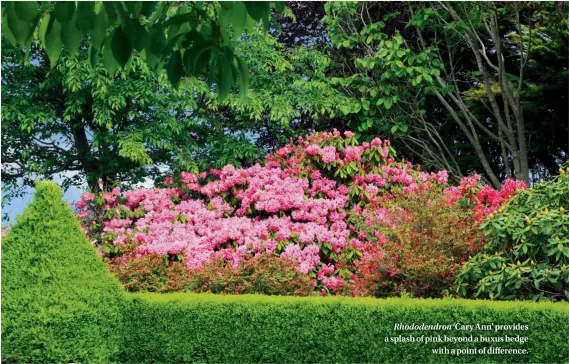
{"x":86,"y":124}
{"x":184,"y":38}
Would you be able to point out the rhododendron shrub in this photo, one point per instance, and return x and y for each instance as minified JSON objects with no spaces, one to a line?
{"x":328,"y":204}
{"x":423,"y":237}
{"x":527,"y":250}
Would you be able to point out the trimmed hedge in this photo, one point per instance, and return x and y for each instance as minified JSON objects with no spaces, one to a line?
{"x":59,"y":301}
{"x":61,"y":304}
{"x":182,"y":327}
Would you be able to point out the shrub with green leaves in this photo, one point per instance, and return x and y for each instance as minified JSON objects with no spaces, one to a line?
{"x":182,"y":327}
{"x":527,"y":251}
{"x":59,"y":301}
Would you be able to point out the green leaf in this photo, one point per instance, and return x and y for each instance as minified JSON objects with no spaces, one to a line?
{"x":26,"y":10}
{"x":64,"y":11}
{"x":121,"y":46}
{"x":257,"y":9}
{"x":21,"y":30}
{"x":53,"y":43}
{"x":243,"y":77}
{"x":398,"y":38}
{"x":196,"y":58}
{"x":174,"y":69}
{"x":224,"y":18}
{"x":85,"y":16}
{"x":224,"y":76}
{"x":148,"y":7}
{"x":226,"y":5}
{"x":138,"y":34}
{"x":279,"y":6}
{"x":99,"y":31}
{"x":238,"y":18}
{"x":109,"y":61}
{"x":111,"y":11}
{"x":7,"y":32}
{"x":71,"y":36}
{"x":387,"y":103}
{"x":394,"y":128}
{"x":93,"y":56}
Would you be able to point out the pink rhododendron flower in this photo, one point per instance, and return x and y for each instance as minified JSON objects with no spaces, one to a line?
{"x":442,"y":177}
{"x":87,"y":196}
{"x":328,"y":154}
{"x":312,"y":150}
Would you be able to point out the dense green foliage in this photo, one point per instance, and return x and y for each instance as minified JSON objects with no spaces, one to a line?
{"x":90,"y":125}
{"x":59,"y":302}
{"x":527,"y":250}
{"x":461,"y":85}
{"x":209,"y":328}
{"x":184,"y":38}
{"x":403,"y":70}
{"x":84,"y":125}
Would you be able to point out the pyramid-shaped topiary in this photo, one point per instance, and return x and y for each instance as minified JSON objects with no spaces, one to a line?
{"x":59,"y":301}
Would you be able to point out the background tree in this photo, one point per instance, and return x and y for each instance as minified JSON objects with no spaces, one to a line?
{"x":135,"y":125}
{"x":416,"y":80}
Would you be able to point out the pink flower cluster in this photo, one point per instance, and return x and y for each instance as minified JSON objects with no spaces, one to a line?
{"x":297,"y":205}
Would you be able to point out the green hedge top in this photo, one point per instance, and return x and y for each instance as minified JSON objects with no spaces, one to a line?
{"x":59,"y":301}
{"x":209,"y":298}
{"x":183,"y":327}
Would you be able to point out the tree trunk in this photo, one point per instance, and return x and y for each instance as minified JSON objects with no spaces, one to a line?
{"x":83,"y":153}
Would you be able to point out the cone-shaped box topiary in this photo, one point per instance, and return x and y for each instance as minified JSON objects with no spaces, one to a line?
{"x":59,"y":301}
